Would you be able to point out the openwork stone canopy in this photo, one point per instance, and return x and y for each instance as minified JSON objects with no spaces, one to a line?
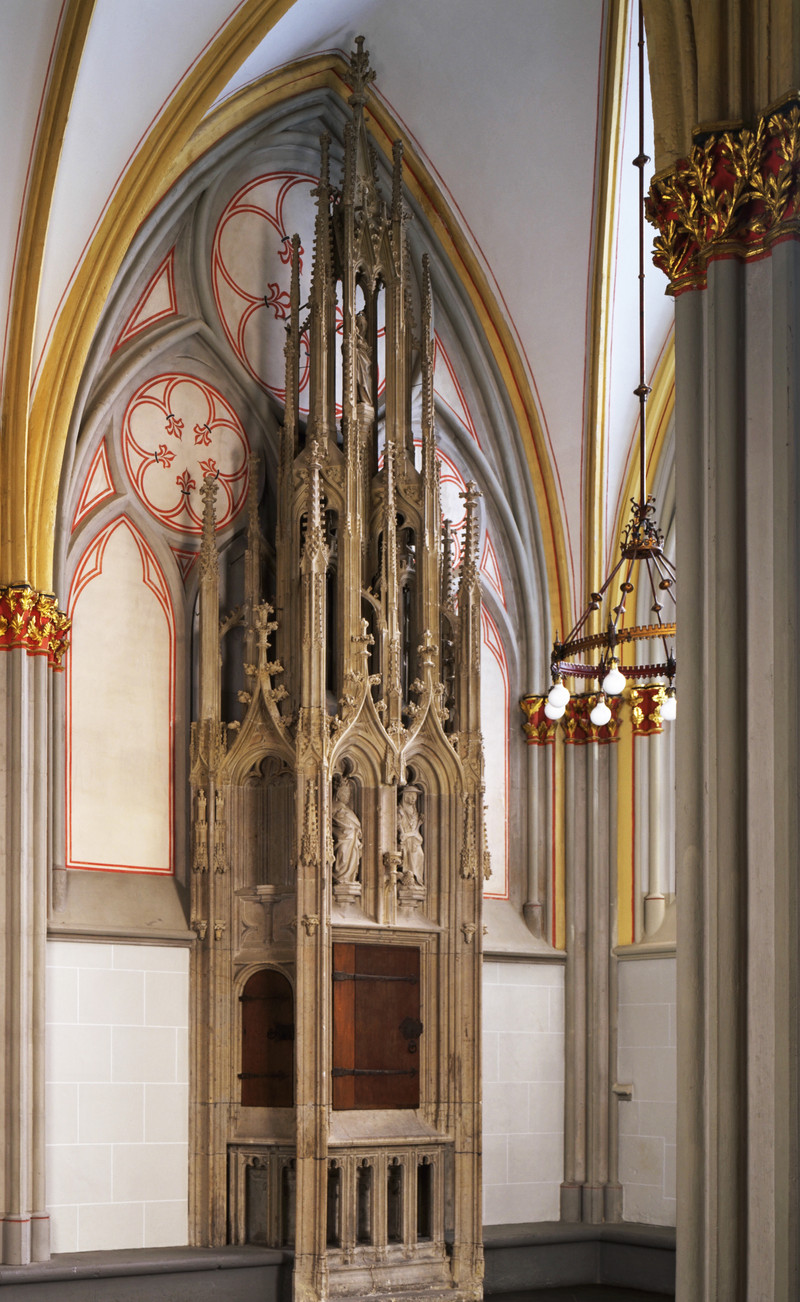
{"x":338,"y":824}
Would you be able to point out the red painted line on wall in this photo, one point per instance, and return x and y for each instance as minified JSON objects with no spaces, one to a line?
{"x":633,"y":839}
{"x":553,"y":838}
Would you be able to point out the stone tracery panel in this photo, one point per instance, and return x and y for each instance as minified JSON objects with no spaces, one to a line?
{"x":252,"y":253}
{"x":251,"y":261}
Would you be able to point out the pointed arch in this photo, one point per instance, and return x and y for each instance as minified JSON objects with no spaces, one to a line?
{"x":120,"y":789}
{"x":148,"y":180}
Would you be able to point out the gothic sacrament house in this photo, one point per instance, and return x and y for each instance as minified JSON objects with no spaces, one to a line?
{"x":338,"y":824}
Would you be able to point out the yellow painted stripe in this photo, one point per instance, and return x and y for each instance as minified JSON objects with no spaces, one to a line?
{"x":15,"y":521}
{"x":599,"y":362}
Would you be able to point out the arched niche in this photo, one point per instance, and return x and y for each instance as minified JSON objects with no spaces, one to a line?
{"x":120,"y":708}
{"x":265,"y":801}
{"x":267,"y":1040}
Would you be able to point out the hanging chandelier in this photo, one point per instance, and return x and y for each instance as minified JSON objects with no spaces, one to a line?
{"x":619,"y":651}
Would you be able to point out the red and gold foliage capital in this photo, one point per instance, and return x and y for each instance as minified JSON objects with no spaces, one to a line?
{"x":31,"y":621}
{"x":577,"y":727}
{"x":646,"y":709}
{"x":736,"y":194}
{"x":538,"y":729}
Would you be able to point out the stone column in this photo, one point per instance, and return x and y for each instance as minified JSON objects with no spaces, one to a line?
{"x":540,"y":736}
{"x":738,"y":445}
{"x":588,"y":1192}
{"x":32,"y":636}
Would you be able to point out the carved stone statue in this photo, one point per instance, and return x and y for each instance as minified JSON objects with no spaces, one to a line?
{"x":363,"y":361}
{"x":409,"y":836}
{"x":346,"y":835}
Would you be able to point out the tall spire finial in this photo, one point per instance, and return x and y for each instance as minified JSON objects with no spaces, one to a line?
{"x":397,"y":180}
{"x":208,"y":546}
{"x":427,"y":348}
{"x":361,"y":74}
{"x":469,"y":564}
{"x":447,"y":565}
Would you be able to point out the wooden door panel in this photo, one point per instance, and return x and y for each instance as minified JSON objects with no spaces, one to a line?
{"x":376,"y":1005}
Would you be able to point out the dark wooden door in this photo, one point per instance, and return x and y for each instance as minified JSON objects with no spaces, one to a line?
{"x":376,"y":1026}
{"x":267,"y":1073}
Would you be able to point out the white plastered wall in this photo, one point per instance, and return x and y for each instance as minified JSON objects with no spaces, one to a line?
{"x":117,"y":1095}
{"x":647,"y":1061}
{"x":523,"y":1092}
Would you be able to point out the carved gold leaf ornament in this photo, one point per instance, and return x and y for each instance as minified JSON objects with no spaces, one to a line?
{"x":538,"y":729}
{"x":734,"y":196}
{"x":31,"y":621}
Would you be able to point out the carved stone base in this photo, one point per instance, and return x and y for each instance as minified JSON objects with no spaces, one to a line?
{"x":410,"y":896}
{"x":347,"y":892}
{"x":534,"y":918}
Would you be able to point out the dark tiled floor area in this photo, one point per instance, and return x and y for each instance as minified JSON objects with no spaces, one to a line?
{"x":593,"y":1293}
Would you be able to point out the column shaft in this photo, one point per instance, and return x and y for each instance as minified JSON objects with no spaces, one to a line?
{"x":737,"y":786}
{"x":24,"y":708}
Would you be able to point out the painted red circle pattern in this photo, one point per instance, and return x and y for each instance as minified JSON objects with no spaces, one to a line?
{"x":251,"y":263}
{"x":176,"y":430}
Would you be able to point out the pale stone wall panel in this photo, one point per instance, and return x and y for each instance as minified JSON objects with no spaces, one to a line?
{"x":117,"y":1096}
{"x":523,"y":1100}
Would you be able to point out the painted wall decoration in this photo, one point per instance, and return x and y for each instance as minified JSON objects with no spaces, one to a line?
{"x":98,"y":485}
{"x":120,"y":708}
{"x":452,"y":486}
{"x":176,"y":430}
{"x":251,"y":270}
{"x":448,"y":389}
{"x":186,"y":559}
{"x":157,"y":301}
{"x":490,"y":568}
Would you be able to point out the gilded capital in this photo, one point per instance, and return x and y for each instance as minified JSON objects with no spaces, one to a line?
{"x":736,"y":195}
{"x":577,"y":724}
{"x":646,"y":709}
{"x":32,"y":621}
{"x":538,"y":729}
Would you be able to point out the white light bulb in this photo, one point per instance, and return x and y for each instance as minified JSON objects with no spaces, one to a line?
{"x":558,"y":696}
{"x":553,"y":712}
{"x":614,"y":681}
{"x":669,"y":708}
{"x":601,"y":714}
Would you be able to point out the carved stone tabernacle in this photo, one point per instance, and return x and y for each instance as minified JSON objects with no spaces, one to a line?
{"x":338,"y":823}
